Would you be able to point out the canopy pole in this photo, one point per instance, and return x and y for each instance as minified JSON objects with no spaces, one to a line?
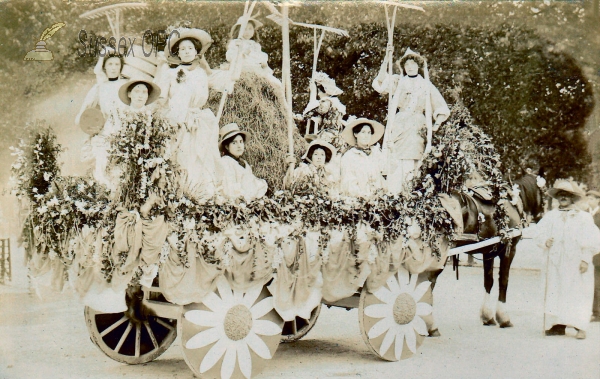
{"x":389,"y":54}
{"x":233,"y":67}
{"x":286,"y":76}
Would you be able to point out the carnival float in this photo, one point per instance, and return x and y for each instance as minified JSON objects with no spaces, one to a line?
{"x":168,"y":237}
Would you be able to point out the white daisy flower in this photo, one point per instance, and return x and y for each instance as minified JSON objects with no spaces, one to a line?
{"x":400,"y":312}
{"x":234,"y":325}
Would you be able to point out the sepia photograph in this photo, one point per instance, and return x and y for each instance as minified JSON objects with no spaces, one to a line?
{"x":300,"y":189}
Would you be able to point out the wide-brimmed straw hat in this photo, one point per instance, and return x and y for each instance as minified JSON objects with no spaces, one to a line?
{"x":593,"y":193}
{"x":257,"y":24}
{"x":409,"y":54}
{"x":153,"y":90}
{"x":198,"y":34}
{"x":230,"y":130}
{"x":324,"y":145}
{"x":348,"y":135}
{"x":566,"y":186}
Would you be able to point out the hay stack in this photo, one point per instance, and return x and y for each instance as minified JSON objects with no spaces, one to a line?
{"x":257,"y":106}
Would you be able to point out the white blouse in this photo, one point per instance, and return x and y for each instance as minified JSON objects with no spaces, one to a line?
{"x":238,"y":181}
{"x":105,"y":95}
{"x":251,"y":56}
{"x":185,"y":90}
{"x":361,"y":173}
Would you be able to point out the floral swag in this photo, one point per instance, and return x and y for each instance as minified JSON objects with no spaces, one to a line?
{"x":150,"y":225}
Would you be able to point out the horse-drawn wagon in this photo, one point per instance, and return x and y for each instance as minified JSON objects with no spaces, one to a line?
{"x":235,"y":278}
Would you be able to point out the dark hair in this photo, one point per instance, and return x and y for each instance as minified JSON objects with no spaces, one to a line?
{"x":225,"y":144}
{"x":313,"y":148}
{"x":235,"y":31}
{"x":359,"y":127}
{"x":112,"y":55}
{"x":197,"y":45}
{"x":320,"y":88}
{"x":132,"y":85}
{"x":418,"y":60}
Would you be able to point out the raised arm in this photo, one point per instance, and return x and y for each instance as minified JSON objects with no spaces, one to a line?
{"x":382,"y":82}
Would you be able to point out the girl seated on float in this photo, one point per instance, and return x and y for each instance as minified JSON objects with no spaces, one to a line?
{"x":362,"y":164}
{"x":138,"y":93}
{"x":314,"y":168}
{"x":185,"y":92}
{"x":251,"y":56}
{"x":243,"y":55}
{"x":238,"y":179}
{"x":324,"y":108}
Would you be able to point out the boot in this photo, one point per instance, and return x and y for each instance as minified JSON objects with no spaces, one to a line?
{"x":556,"y":330}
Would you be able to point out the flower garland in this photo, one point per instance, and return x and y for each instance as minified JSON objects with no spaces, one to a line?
{"x":143,"y":151}
{"x":36,"y":162}
{"x":460,"y":150}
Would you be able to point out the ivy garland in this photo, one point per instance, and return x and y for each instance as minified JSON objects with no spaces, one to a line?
{"x":143,"y":151}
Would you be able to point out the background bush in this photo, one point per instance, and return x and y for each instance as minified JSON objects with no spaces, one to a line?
{"x":521,"y":68}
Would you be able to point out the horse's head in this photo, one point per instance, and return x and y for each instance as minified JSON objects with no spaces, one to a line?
{"x":531,"y":196}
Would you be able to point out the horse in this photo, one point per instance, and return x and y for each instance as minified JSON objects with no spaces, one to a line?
{"x":530,"y":209}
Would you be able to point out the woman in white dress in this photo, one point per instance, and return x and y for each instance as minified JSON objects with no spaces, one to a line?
{"x":314,"y":170}
{"x":184,"y":89}
{"x":104,"y":95}
{"x":238,"y":179}
{"x":362,"y":164}
{"x":405,"y":145}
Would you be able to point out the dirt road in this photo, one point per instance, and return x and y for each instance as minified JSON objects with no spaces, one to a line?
{"x":48,"y":339}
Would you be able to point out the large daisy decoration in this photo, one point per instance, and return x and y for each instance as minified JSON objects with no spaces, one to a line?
{"x":391,"y":317}
{"x":237,"y":329}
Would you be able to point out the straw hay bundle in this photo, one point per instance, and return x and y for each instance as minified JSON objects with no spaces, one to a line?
{"x":258,"y":107}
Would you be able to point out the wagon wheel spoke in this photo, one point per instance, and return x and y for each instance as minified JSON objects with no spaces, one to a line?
{"x":123,"y":337}
{"x":113,"y":326}
{"x":151,"y":334}
{"x":138,"y":337}
{"x":298,"y":327}
{"x":165,"y":324}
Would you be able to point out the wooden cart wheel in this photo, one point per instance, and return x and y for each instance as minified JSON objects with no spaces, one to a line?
{"x":130,"y":337}
{"x":232,"y":334}
{"x":390,"y":318}
{"x":299,"y":327}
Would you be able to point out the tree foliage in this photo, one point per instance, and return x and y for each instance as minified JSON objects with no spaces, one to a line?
{"x":532,"y":100}
{"x":523,"y":90}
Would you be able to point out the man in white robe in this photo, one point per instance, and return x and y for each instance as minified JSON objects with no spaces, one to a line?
{"x":569,"y":239}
